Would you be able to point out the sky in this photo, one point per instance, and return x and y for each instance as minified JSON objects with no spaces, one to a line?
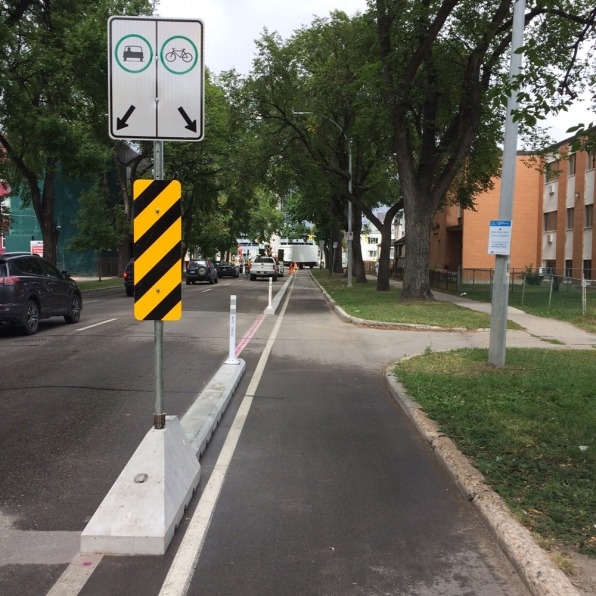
{"x":231,"y":27}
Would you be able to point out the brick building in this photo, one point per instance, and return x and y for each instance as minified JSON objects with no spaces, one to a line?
{"x":551,"y":224}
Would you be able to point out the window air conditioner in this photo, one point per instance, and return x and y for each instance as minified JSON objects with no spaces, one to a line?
{"x":541,"y":270}
{"x":551,"y":189}
{"x":550,"y":238}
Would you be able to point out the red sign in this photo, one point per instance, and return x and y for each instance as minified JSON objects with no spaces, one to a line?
{"x":37,"y":247}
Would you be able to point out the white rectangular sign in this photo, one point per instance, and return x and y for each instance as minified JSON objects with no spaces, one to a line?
{"x":156,"y":79}
{"x":499,"y":238}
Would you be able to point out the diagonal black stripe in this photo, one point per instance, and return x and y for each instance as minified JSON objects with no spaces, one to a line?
{"x":166,"y":220}
{"x":160,"y":268}
{"x":149,"y":195}
{"x":166,"y":305}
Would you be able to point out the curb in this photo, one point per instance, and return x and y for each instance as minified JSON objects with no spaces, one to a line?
{"x":541,"y":576}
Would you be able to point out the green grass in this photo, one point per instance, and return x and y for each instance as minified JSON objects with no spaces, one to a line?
{"x":522,"y":425}
{"x":109,"y":282}
{"x":529,"y":427}
{"x":363,"y":301}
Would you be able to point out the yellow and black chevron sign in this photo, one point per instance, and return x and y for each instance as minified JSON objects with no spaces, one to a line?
{"x":157,"y":250}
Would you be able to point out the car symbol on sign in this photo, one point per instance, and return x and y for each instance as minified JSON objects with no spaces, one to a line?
{"x":131,"y":52}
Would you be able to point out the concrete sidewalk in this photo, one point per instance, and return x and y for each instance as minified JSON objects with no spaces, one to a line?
{"x":541,"y":328}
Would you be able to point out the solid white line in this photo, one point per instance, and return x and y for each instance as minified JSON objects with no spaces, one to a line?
{"x":97,"y":324}
{"x":180,"y":574}
{"x":71,"y":582}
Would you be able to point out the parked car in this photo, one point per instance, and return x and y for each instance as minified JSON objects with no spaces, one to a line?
{"x":129,"y":278}
{"x":201,"y":270}
{"x":227,"y":270}
{"x":31,"y":289}
{"x":263,"y":266}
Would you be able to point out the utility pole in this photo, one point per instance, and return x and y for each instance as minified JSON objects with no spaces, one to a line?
{"x":500,"y":298}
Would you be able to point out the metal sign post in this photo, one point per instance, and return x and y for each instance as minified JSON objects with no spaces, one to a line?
{"x":159,"y":415}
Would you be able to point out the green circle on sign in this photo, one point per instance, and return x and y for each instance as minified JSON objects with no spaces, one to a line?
{"x":133,"y":52}
{"x":178,"y":56}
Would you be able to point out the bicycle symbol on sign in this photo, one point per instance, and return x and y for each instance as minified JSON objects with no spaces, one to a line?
{"x":186,"y":56}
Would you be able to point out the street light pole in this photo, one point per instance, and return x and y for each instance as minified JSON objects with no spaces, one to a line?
{"x":350,"y":233}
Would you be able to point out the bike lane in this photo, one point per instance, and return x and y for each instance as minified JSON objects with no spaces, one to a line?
{"x":330,"y":490}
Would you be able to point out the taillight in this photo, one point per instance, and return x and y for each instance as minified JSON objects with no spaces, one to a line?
{"x":9,"y":281}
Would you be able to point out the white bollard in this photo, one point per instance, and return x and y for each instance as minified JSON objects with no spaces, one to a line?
{"x":269,"y":310}
{"x":232,"y":351}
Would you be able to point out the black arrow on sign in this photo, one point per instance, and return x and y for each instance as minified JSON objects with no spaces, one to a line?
{"x":121,"y":122}
{"x":190,"y":124}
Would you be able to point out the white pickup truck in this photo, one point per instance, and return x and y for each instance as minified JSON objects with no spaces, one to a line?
{"x":263,"y":267}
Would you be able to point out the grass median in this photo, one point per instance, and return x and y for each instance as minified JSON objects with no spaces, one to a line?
{"x":529,"y":427}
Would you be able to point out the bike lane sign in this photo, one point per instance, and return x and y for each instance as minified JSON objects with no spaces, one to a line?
{"x":156,"y":79}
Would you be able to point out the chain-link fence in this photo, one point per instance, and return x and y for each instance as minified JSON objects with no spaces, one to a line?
{"x":540,"y":291}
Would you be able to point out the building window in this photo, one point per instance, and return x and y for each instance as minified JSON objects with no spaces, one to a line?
{"x":568,"y":268}
{"x":588,"y":216}
{"x":373,"y":240}
{"x":570,"y":218}
{"x":552,"y":171}
{"x":550,"y":221}
{"x":588,"y":269}
{"x":572,"y":164}
{"x":591,"y":160}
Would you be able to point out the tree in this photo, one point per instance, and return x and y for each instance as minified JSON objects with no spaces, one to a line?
{"x":51,"y":106}
{"x":330,"y":73}
{"x":444,"y":70}
{"x":100,"y":225}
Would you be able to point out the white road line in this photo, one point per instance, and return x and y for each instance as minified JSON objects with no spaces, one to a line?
{"x":180,"y":574}
{"x":71,"y":582}
{"x":97,"y":324}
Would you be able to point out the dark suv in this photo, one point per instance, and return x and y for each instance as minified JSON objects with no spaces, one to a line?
{"x":129,"y":278}
{"x":201,"y":270}
{"x":31,"y":289}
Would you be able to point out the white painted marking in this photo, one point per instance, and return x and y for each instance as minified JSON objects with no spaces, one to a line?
{"x":71,"y":582}
{"x":180,"y":574}
{"x":97,"y":324}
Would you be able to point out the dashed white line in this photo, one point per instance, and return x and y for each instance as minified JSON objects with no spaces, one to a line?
{"x":71,"y":582}
{"x":97,"y":324}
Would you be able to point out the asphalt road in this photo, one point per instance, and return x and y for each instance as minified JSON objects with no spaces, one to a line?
{"x":329,"y":489}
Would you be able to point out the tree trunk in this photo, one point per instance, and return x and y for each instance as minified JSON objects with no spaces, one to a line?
{"x":357,"y":261}
{"x":99,"y":265}
{"x":383,"y":284}
{"x":44,"y":206}
{"x":419,"y":215}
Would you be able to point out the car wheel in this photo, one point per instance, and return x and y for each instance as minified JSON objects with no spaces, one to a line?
{"x":188,"y":282}
{"x":275,"y":278}
{"x":130,"y":291}
{"x":217,"y":279}
{"x":75,"y":310}
{"x":31,"y":319}
{"x":253,"y":278}
{"x":211,"y":280}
